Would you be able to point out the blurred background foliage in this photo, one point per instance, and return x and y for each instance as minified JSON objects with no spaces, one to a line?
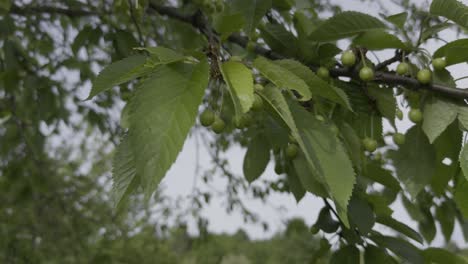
{"x":56,"y":148}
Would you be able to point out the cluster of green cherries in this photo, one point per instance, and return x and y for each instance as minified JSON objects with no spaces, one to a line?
{"x":211,"y":6}
{"x":366,"y":74}
{"x":209,"y":118}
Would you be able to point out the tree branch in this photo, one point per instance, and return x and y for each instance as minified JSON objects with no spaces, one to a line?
{"x":200,"y":24}
{"x":27,"y":10}
{"x":380,"y":76}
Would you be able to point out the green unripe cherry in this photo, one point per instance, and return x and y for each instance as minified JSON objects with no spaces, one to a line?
{"x":439,"y":64}
{"x":314,"y":230}
{"x":291,"y":151}
{"x":251,"y":46}
{"x":424,"y":76}
{"x":366,"y":74}
{"x":219,"y":6}
{"x":323,"y":73}
{"x":402,"y":68}
{"x":258,"y":87}
{"x":399,"y":114}
{"x":415,"y":115}
{"x":239,"y":122}
{"x":218,"y":125}
{"x":209,"y":6}
{"x":320,"y":118}
{"x":257,"y":103}
{"x":399,"y":138}
{"x":348,"y":58}
{"x":207,"y":118}
{"x":369,"y":144}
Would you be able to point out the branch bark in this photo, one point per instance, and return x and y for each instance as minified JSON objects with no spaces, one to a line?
{"x":380,"y":76}
{"x":200,"y":24}
{"x":27,"y":10}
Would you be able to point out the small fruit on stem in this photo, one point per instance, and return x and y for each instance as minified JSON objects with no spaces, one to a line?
{"x":424,"y":76}
{"x":258,"y":87}
{"x":439,"y":64}
{"x":366,"y":74}
{"x":251,"y":46}
{"x":399,"y":138}
{"x":239,"y":121}
{"x":323,"y":73}
{"x":402,"y":68}
{"x":291,"y":151}
{"x":348,"y":58}
{"x":415,"y":115}
{"x":218,"y":125}
{"x":207,"y":118}
{"x":399,"y":114}
{"x":369,"y":144}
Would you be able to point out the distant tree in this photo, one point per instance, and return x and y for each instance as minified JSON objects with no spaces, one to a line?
{"x":265,"y":74}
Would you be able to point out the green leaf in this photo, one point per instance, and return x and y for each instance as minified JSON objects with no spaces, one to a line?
{"x":119,"y":72}
{"x":280,"y":40}
{"x":461,"y":196}
{"x":283,"y":5}
{"x":282,"y":77}
{"x":162,"y":55}
{"x":386,"y":102}
{"x":325,"y":221}
{"x":447,"y":145}
{"x":398,"y":20}
{"x":239,"y":80}
{"x":438,"y":115}
{"x":5,"y":5}
{"x":378,"y":40}
{"x":445,"y":213}
{"x":81,"y":39}
{"x":464,"y":160}
{"x":227,"y":24}
{"x":374,"y":254}
{"x":360,"y":213}
{"x":400,"y":247}
{"x":353,"y":144}
{"x":125,"y":117}
{"x":432,"y":30}
{"x":414,"y":161}
{"x":343,"y":25}
{"x":451,"y":9}
{"x":375,"y":172}
{"x":323,"y":151}
{"x":308,"y":179}
{"x":346,"y":255}
{"x":318,"y":86}
{"x":443,"y":77}
{"x":253,"y":11}
{"x":124,"y":177}
{"x":427,"y":227}
{"x":273,"y":97}
{"x":454,"y":52}
{"x":294,"y":184}
{"x":256,"y":158}
{"x":442,"y":256}
{"x":399,"y":227}
{"x":164,"y":109}
{"x":463,"y":116}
